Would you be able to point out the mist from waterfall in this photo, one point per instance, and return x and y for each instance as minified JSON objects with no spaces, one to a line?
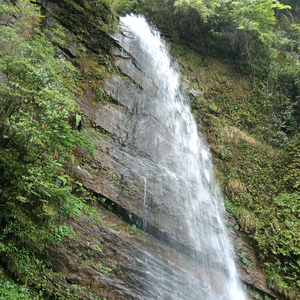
{"x":187,"y":164}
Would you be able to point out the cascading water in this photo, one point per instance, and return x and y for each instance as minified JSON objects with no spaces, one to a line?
{"x":175,"y":146}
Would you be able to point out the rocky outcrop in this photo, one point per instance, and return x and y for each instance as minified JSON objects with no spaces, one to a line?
{"x":114,"y":264}
{"x":126,"y":172}
{"x":251,"y":275}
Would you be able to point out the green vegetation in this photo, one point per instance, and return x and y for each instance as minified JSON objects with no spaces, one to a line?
{"x":39,"y":131}
{"x":254,"y":294}
{"x":132,"y":229}
{"x":245,"y":261}
{"x":10,"y":290}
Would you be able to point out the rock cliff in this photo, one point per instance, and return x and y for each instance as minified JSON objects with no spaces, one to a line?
{"x":109,"y":255}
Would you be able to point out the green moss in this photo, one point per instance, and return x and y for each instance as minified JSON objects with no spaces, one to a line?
{"x":92,"y":19}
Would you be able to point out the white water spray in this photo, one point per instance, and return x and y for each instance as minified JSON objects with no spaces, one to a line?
{"x":187,"y":164}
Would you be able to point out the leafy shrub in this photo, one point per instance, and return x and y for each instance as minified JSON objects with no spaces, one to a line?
{"x":280,"y":139}
{"x":36,"y":141}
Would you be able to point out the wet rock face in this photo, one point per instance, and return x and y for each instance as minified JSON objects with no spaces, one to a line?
{"x":249,"y":275}
{"x":131,"y":175}
{"x":134,"y":160}
{"x":113,"y":264}
{"x":139,"y":159}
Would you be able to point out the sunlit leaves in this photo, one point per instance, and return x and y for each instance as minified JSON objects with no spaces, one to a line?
{"x":256,"y":16}
{"x":205,"y":9}
{"x":124,"y":6}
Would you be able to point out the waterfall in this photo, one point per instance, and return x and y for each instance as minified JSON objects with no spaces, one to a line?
{"x":176,"y":147}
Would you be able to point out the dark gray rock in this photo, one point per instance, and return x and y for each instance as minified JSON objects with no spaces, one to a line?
{"x":185,"y":83}
{"x":3,"y":78}
{"x":163,"y":274}
{"x":195,"y":93}
{"x":144,"y":184}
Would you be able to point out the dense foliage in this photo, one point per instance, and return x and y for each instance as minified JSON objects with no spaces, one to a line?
{"x":38,"y":132}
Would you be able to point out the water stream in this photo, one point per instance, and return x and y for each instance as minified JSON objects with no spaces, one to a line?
{"x":176,"y":147}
